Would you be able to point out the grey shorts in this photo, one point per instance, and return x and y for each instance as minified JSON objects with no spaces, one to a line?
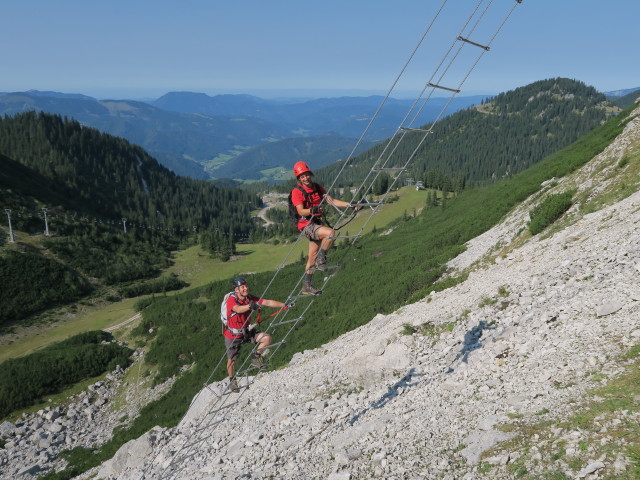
{"x":233,"y":345}
{"x":311,"y":231}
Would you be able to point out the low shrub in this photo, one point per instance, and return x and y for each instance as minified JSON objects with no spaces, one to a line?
{"x":552,"y":208}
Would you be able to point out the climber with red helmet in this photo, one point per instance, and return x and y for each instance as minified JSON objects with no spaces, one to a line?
{"x":307,"y":197}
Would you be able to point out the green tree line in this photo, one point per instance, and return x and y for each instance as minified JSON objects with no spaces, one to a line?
{"x":107,"y":176}
{"x":481,"y":145}
{"x":26,"y":380}
{"x":31,"y":282}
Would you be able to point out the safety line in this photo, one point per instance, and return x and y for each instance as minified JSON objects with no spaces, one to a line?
{"x":211,"y":417}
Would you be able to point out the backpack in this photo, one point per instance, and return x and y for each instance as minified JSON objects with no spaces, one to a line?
{"x":223,"y":316}
{"x":293,"y":211}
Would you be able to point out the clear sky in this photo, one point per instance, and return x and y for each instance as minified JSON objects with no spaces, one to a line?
{"x":145,"y":48}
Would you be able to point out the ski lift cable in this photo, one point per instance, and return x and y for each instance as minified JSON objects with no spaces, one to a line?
{"x":413,"y":106}
{"x":375,"y":116}
{"x":295,"y":322}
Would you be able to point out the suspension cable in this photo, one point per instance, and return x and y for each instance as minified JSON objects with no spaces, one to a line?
{"x":222,"y":399}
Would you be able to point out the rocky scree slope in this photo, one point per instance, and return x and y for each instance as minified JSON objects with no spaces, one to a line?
{"x":425,"y":392}
{"x":433,"y":390}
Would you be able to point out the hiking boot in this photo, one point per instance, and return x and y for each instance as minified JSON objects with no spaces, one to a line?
{"x":308,"y":289}
{"x":321,"y":261}
{"x":257,"y":362}
{"x":233,"y":385}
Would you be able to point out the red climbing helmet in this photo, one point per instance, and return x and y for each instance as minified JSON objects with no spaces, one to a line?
{"x":300,"y":168}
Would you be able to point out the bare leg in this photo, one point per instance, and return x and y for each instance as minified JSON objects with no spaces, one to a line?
{"x":230,"y":365}
{"x":264,"y":340}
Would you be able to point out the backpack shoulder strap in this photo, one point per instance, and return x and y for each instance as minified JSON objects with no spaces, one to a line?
{"x":316,"y":189}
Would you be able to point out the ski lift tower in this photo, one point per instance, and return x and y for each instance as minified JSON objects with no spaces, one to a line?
{"x":46,"y":223}
{"x":8,"y":212}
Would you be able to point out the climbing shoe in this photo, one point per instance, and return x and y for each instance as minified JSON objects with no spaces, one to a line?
{"x":257,"y":362}
{"x":233,"y":385}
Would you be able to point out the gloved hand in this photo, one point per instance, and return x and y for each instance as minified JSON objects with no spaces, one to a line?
{"x":316,"y":210}
{"x":290,"y":305}
{"x":254,"y":305}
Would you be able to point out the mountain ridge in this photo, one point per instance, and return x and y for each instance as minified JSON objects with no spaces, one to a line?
{"x":498,"y":139}
{"x":193,"y":141}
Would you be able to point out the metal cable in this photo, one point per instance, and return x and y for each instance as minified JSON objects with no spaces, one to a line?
{"x":222,"y":401}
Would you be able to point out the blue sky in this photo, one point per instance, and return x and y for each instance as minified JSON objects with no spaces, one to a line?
{"x":144,"y":48}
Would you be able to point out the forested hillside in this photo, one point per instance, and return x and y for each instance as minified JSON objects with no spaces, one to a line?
{"x":273,"y":160}
{"x":625,"y":100}
{"x":345,"y":116}
{"x":106,"y":176}
{"x":113,"y":213}
{"x":182,"y":142}
{"x":497,"y":139}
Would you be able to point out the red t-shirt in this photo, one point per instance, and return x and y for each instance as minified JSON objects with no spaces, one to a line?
{"x":315,"y":197}
{"x":239,"y":320}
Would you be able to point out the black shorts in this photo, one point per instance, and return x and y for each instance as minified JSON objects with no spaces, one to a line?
{"x":233,"y":345}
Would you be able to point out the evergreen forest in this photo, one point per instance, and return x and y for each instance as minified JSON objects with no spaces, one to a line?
{"x":26,"y":380}
{"x":112,"y":214}
{"x":480,"y":145}
{"x":107,"y":177}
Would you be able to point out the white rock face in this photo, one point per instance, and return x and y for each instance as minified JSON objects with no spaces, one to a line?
{"x":375,"y":403}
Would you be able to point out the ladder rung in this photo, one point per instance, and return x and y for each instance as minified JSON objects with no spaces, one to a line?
{"x":205,"y":427}
{"x":366,"y":204}
{"x":192,"y":454}
{"x":211,"y":412}
{"x":307,"y":295}
{"x":389,"y":169}
{"x":284,"y":322}
{"x":344,"y":236}
{"x":408,"y":129}
{"x":200,"y":440}
{"x":337,"y":265}
{"x":245,"y":373}
{"x":462,"y":39}
{"x":443,"y":88}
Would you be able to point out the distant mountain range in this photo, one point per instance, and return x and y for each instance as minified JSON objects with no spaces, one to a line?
{"x":205,"y":137}
{"x":622,"y":92}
